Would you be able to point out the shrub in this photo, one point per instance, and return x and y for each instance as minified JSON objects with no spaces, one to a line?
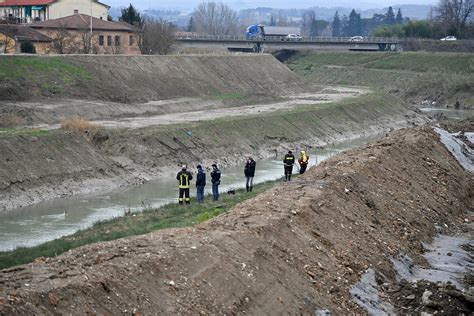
{"x":80,"y":125}
{"x":27,"y":47}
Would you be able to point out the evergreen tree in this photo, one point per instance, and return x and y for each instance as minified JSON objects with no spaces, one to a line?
{"x":131,"y":16}
{"x":272,"y":21}
{"x":336,"y":25}
{"x":399,"y":18}
{"x":191,"y":25}
{"x":354,"y":25}
{"x":313,"y":28}
{"x":390,"y":17}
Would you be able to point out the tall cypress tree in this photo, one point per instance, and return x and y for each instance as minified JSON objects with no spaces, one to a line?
{"x":390,"y":17}
{"x":354,"y":25}
{"x":399,"y":18}
{"x":336,"y":25}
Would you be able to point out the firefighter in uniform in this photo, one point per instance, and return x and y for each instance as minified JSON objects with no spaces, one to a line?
{"x":303,"y":161}
{"x":288,"y":162}
{"x":184,"y":178}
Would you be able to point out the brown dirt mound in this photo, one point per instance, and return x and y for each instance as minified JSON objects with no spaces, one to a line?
{"x":292,"y":250}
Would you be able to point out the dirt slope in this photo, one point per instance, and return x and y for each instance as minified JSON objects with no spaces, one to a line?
{"x":56,"y":163}
{"x":141,"y":78}
{"x":294,"y":249}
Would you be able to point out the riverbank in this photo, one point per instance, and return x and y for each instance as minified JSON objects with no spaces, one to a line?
{"x":133,"y":224}
{"x":421,"y":78}
{"x":46,"y":165}
{"x":298,"y":247}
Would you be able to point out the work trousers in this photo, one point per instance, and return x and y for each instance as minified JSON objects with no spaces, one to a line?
{"x":215,"y":191}
{"x":184,"y":196}
{"x":303,"y":167}
{"x":249,"y":184}
{"x":288,"y":172}
{"x":200,"y":193}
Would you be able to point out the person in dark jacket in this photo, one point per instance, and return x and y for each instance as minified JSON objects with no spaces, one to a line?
{"x":249,"y":171}
{"x":200,"y":184}
{"x":216,"y":181}
{"x":184,"y":178}
{"x":288,"y":163}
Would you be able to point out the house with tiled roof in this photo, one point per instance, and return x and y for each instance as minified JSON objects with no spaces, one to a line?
{"x":12,"y":36}
{"x":29,"y":11}
{"x":81,"y":33}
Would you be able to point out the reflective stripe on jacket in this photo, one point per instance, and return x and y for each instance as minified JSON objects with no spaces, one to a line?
{"x":184,"y":178}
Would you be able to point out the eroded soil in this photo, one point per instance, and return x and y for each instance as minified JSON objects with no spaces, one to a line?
{"x":294,"y":249}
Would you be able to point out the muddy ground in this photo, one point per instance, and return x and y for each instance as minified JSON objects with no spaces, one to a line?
{"x":294,"y":249}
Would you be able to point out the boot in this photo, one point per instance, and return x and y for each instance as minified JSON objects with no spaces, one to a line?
{"x":250,"y":188}
{"x":247,"y":188}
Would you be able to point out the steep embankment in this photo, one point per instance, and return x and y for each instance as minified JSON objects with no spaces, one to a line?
{"x":141,"y":78}
{"x":57,"y":163}
{"x":294,"y":249}
{"x":422,"y":78}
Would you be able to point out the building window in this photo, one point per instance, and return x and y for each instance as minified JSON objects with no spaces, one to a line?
{"x":101,"y":40}
{"x":130,"y":40}
{"x":117,"y":40}
{"x":109,"y":40}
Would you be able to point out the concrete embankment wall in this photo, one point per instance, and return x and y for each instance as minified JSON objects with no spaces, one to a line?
{"x":56,"y":163}
{"x":141,"y":78}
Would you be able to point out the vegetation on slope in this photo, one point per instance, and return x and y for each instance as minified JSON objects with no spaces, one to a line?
{"x":446,"y":78}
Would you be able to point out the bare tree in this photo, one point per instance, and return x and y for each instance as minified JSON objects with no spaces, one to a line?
{"x":454,"y":14}
{"x":62,"y":40}
{"x":156,"y":37}
{"x":215,"y":18}
{"x":7,"y":44}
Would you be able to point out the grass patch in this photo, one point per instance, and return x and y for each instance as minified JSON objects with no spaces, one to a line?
{"x":43,"y":75}
{"x":22,"y":132}
{"x":171,"y":215}
{"x":447,"y":77}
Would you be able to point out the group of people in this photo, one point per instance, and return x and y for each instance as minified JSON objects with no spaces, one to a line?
{"x":184,"y":177}
{"x":289,"y":162}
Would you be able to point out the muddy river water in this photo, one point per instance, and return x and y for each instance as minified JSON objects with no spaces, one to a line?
{"x":49,"y":220}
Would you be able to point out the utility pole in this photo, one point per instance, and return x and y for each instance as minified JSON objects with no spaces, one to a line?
{"x":90,"y":37}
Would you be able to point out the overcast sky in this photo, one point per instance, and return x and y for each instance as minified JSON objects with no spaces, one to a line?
{"x":284,"y":4}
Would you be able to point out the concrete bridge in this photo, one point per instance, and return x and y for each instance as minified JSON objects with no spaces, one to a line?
{"x":239,"y":43}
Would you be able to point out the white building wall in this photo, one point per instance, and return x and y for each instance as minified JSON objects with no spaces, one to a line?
{"x":64,"y":8}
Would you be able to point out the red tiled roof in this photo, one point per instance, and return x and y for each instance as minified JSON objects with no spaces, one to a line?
{"x":8,"y":3}
{"x":82,"y":21}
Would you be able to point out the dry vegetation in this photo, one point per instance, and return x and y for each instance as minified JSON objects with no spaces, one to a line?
{"x":80,"y":125}
{"x":11,"y":120}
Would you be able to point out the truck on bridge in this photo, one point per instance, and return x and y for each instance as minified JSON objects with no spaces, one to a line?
{"x":267,"y":33}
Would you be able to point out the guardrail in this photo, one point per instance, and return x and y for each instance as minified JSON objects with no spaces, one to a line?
{"x":232,"y":38}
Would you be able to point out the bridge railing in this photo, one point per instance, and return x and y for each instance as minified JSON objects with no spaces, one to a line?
{"x":319,"y":39}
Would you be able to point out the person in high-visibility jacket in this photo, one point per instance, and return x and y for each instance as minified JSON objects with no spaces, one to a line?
{"x":288,"y":163}
{"x":303,"y":161}
{"x":184,"y":178}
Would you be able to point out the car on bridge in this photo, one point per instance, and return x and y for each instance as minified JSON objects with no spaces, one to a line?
{"x":449,"y":38}
{"x":357,"y":38}
{"x":294,"y":37}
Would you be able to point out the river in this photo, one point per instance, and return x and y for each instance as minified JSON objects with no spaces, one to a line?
{"x":30,"y":226}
